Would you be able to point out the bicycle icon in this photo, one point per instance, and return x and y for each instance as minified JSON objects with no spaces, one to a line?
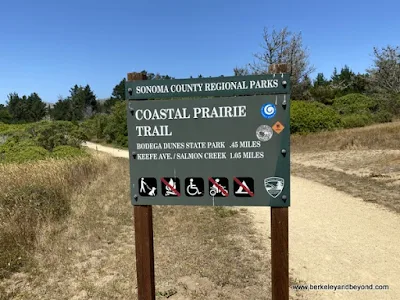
{"x":214,"y":190}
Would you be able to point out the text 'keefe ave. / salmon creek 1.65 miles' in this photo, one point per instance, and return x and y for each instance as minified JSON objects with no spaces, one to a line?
{"x":199,"y":150}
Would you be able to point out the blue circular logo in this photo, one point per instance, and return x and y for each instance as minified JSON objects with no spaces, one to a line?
{"x":268,"y":110}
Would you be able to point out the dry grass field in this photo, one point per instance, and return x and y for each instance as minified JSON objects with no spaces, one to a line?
{"x":82,"y":246}
{"x":36,"y":196}
{"x":200,"y":252}
{"x":364,"y":162}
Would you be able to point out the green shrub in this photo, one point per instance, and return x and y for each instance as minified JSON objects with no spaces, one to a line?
{"x":312,"y":117}
{"x":355,"y":104}
{"x":16,"y":150}
{"x":324,"y":94}
{"x":357,"y":120}
{"x":383,"y":116}
{"x":67,"y":151}
{"x":58,"y":133}
{"x":94,"y":127}
{"x":23,"y":154}
{"x":5,"y":116}
{"x":388,"y":102}
{"x":40,"y":140}
{"x":12,"y":129}
{"x":117,"y":129}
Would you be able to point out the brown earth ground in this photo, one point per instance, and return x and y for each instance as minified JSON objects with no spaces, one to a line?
{"x":336,"y":238}
{"x":346,"y":234}
{"x":363,"y":162}
{"x":209,"y":253}
{"x":200,"y":252}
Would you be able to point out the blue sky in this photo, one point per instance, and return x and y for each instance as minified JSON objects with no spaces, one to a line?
{"x":49,"y":46}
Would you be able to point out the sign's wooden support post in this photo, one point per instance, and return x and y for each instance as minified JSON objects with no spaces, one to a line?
{"x":153,"y":184}
{"x":143,"y":222}
{"x":143,"y":218}
{"x":279,"y":253}
{"x":279,"y":236}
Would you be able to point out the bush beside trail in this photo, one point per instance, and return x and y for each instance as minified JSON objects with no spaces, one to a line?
{"x":349,"y":111}
{"x":111,"y":129}
{"x":359,"y":110}
{"x":42,"y":140}
{"x":355,"y":104}
{"x":309,"y":117}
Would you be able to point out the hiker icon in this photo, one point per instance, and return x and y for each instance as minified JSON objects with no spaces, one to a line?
{"x":148,"y":187}
{"x":218,"y":188}
{"x":194,"y":186}
{"x":170,"y":187}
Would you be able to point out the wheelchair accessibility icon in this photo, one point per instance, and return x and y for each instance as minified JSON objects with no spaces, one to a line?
{"x":194,"y":187}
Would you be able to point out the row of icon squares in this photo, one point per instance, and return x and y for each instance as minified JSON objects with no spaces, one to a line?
{"x":195,"y":187}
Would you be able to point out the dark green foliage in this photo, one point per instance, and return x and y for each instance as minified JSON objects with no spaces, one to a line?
{"x":37,"y":141}
{"x":119,"y":91}
{"x":355,"y":104}
{"x":357,"y":120}
{"x":320,"y":80}
{"x":118,"y":94}
{"x":347,"y":82}
{"x":52,"y":134}
{"x":389,"y":102}
{"x":383,"y":116}
{"x":108,"y":105}
{"x":17,"y":151}
{"x":116,"y":129}
{"x":36,"y":108}
{"x":79,"y":105}
{"x":359,"y":110}
{"x":16,"y":107}
{"x":26,"y":109}
{"x":323,"y":93}
{"x":22,"y":155}
{"x":62,"y":110}
{"x":340,"y":84}
{"x":5,"y":116}
{"x":95,"y":126}
{"x":312,"y":117}
{"x":67,"y":152}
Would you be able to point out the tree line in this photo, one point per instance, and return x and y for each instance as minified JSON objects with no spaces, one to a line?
{"x":381,"y":81}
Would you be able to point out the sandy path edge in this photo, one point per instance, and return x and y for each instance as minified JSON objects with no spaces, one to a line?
{"x":334,"y":239}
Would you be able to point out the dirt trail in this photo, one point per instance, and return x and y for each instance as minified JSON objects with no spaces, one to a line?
{"x":334,"y":239}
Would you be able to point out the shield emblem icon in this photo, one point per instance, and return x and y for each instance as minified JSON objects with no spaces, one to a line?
{"x":274,"y":186}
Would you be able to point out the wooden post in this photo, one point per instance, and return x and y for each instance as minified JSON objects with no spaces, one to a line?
{"x":279,"y":236}
{"x":280,"y":253}
{"x":143,"y":224}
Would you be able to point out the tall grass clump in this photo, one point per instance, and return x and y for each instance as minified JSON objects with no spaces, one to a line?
{"x":34,"y":194}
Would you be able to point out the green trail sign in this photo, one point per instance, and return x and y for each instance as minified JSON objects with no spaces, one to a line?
{"x":228,"y":145}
